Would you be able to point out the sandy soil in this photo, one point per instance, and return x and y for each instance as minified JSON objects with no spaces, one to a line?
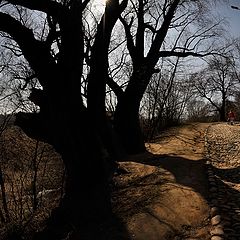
{"x":162,"y":194}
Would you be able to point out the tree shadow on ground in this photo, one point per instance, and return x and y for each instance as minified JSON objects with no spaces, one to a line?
{"x":193,"y":174}
{"x":176,"y":133}
{"x":190,"y":173}
{"x":174,"y":172}
{"x":228,"y":174}
{"x":111,"y":229}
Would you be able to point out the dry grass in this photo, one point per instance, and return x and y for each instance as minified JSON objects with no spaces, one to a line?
{"x":32,"y":183}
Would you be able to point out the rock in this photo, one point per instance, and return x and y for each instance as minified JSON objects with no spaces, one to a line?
{"x":217,"y":231}
{"x":217,"y":238}
{"x":214,"y":211}
{"x":216,"y":220}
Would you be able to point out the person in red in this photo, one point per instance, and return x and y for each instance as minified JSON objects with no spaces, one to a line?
{"x":231,"y":117}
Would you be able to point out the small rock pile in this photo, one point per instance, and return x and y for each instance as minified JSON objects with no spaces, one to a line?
{"x":222,"y":150}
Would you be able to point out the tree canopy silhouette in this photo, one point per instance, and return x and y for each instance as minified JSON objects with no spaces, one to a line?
{"x":57,"y":53}
{"x":63,"y":120}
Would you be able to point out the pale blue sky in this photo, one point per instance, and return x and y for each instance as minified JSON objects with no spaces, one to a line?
{"x":231,"y":15}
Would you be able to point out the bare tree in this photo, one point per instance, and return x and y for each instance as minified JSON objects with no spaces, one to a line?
{"x":56,"y":50}
{"x":199,"y":110}
{"x":56,"y":57}
{"x":217,"y":83}
{"x":166,"y":98}
{"x":155,"y":30}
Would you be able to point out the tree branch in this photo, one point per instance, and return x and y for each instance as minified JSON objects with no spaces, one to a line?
{"x":130,"y":43}
{"x":184,"y":54}
{"x":50,"y":7}
{"x":35,"y":52}
{"x":115,"y":87}
{"x":161,"y":34}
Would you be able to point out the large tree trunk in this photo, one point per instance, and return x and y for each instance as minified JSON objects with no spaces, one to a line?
{"x":97,"y":80}
{"x":127,"y":125}
{"x":64,"y":122}
{"x":223,"y":108}
{"x":222,"y":114}
{"x":126,"y":118}
{"x":87,"y":197}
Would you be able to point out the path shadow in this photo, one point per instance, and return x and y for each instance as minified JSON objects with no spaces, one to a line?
{"x":176,"y":173}
{"x":190,"y":173}
{"x":176,"y":133}
{"x":194,"y":174}
{"x":228,"y":174}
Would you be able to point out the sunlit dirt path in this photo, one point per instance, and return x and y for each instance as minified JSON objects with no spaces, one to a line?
{"x":164,"y":193}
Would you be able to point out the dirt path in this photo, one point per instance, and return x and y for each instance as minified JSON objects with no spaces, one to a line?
{"x":163,"y":194}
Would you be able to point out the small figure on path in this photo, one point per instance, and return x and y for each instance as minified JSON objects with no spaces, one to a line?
{"x":231,"y":117}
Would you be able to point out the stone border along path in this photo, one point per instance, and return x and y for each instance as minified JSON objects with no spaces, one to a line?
{"x":222,"y":152}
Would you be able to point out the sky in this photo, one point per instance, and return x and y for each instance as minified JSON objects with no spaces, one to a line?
{"x":231,"y":15}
